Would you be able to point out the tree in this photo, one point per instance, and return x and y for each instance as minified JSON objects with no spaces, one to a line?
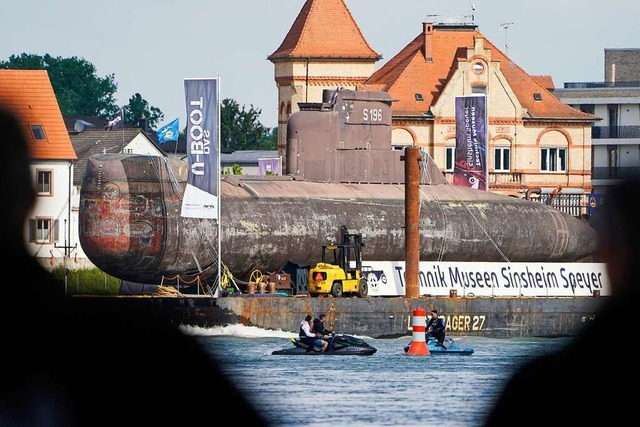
{"x":240,"y":129}
{"x":270,"y":141}
{"x":79,"y":91}
{"x":139,"y":108}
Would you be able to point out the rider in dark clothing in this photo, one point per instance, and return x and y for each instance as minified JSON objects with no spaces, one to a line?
{"x":435,"y":328}
{"x":309,"y":337}
{"x":318,"y":325}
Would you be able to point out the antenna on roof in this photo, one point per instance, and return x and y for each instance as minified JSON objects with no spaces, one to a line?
{"x":473,"y":10}
{"x":433,"y":17}
{"x":505,"y":26}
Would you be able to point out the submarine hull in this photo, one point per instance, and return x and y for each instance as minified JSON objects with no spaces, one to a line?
{"x":131,"y":228}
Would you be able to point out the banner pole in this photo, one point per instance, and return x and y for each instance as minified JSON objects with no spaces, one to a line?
{"x":219,"y":189}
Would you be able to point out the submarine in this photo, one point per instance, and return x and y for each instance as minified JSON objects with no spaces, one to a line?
{"x":341,"y":171}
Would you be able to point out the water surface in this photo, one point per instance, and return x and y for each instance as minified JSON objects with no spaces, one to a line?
{"x":388,"y":388}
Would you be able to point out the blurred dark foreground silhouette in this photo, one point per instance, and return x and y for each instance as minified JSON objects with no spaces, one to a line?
{"x":70,"y":362}
{"x":591,"y":380}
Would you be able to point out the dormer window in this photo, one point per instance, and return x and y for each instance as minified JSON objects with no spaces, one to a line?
{"x":419,"y":97}
{"x":537,"y":96}
{"x":38,"y":133}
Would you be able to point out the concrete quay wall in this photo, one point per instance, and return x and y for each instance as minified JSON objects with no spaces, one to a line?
{"x":391,"y":317}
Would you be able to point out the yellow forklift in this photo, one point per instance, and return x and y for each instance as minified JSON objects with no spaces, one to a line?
{"x":340,"y":271}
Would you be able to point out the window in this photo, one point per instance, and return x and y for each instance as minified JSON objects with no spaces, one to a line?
{"x":38,"y":132}
{"x":419,"y":97}
{"x":450,"y":153}
{"x":588,"y":108}
{"x":43,"y":230}
{"x":553,"y":159}
{"x":43,"y":182}
{"x":478,"y":89}
{"x":501,"y":159}
{"x":537,"y":96}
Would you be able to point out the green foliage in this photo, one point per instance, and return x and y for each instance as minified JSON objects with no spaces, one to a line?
{"x":270,"y":141}
{"x":235,"y":169}
{"x":88,"y":281}
{"x":240,"y":129}
{"x":139,"y":108}
{"x":80,"y":92}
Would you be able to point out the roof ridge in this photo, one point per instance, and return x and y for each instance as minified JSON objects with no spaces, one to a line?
{"x":310,"y":35}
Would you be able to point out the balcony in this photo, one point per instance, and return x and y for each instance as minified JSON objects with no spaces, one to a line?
{"x":505,"y":178}
{"x":609,"y":132}
{"x":497,"y":178}
{"x":614,"y":173}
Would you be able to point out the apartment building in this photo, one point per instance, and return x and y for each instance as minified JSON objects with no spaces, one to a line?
{"x":615,"y":138}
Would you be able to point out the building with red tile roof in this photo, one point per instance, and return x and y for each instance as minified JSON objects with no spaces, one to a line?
{"x":534,"y":139}
{"x":29,"y":94}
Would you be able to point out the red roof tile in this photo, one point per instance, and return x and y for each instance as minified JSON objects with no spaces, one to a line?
{"x":29,"y":94}
{"x":545,"y":81}
{"x":409,"y":72}
{"x":311,"y":37}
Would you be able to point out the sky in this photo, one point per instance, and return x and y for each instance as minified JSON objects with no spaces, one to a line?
{"x":152,"y":46}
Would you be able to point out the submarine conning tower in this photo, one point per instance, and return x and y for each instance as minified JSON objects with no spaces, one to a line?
{"x":346,"y":138}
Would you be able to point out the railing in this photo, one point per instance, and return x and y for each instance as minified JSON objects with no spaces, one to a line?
{"x":602,"y":132}
{"x":498,"y":178}
{"x":596,"y":85}
{"x":572,"y":204}
{"x":614,"y":173}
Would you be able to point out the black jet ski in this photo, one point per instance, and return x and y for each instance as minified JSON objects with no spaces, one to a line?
{"x":447,"y":347}
{"x":339,"y":344}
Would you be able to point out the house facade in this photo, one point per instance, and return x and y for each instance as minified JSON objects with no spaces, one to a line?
{"x":48,"y":230}
{"x":535,"y":141}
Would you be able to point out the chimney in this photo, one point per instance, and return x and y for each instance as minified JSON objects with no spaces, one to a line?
{"x":143,"y":124}
{"x":427,"y":31}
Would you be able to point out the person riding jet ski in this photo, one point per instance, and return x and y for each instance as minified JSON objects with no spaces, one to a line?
{"x":307,"y":336}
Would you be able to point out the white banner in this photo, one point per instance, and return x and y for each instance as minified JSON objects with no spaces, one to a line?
{"x":485,"y":279}
{"x":200,"y":199}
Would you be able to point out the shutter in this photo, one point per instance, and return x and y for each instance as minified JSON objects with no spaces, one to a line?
{"x":32,"y":230}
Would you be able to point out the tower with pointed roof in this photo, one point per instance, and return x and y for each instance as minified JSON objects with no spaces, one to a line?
{"x":324,"y":49}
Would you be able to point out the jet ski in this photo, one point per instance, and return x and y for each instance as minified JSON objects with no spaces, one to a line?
{"x":447,"y":347}
{"x":339,"y":344}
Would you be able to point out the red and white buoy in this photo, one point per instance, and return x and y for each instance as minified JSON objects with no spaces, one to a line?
{"x":418,"y":345}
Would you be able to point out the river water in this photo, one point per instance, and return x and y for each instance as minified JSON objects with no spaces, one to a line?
{"x":388,"y":388}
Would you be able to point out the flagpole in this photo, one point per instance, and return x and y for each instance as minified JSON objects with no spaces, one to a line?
{"x":122,"y":113}
{"x":175,"y":151}
{"x":219,"y":189}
